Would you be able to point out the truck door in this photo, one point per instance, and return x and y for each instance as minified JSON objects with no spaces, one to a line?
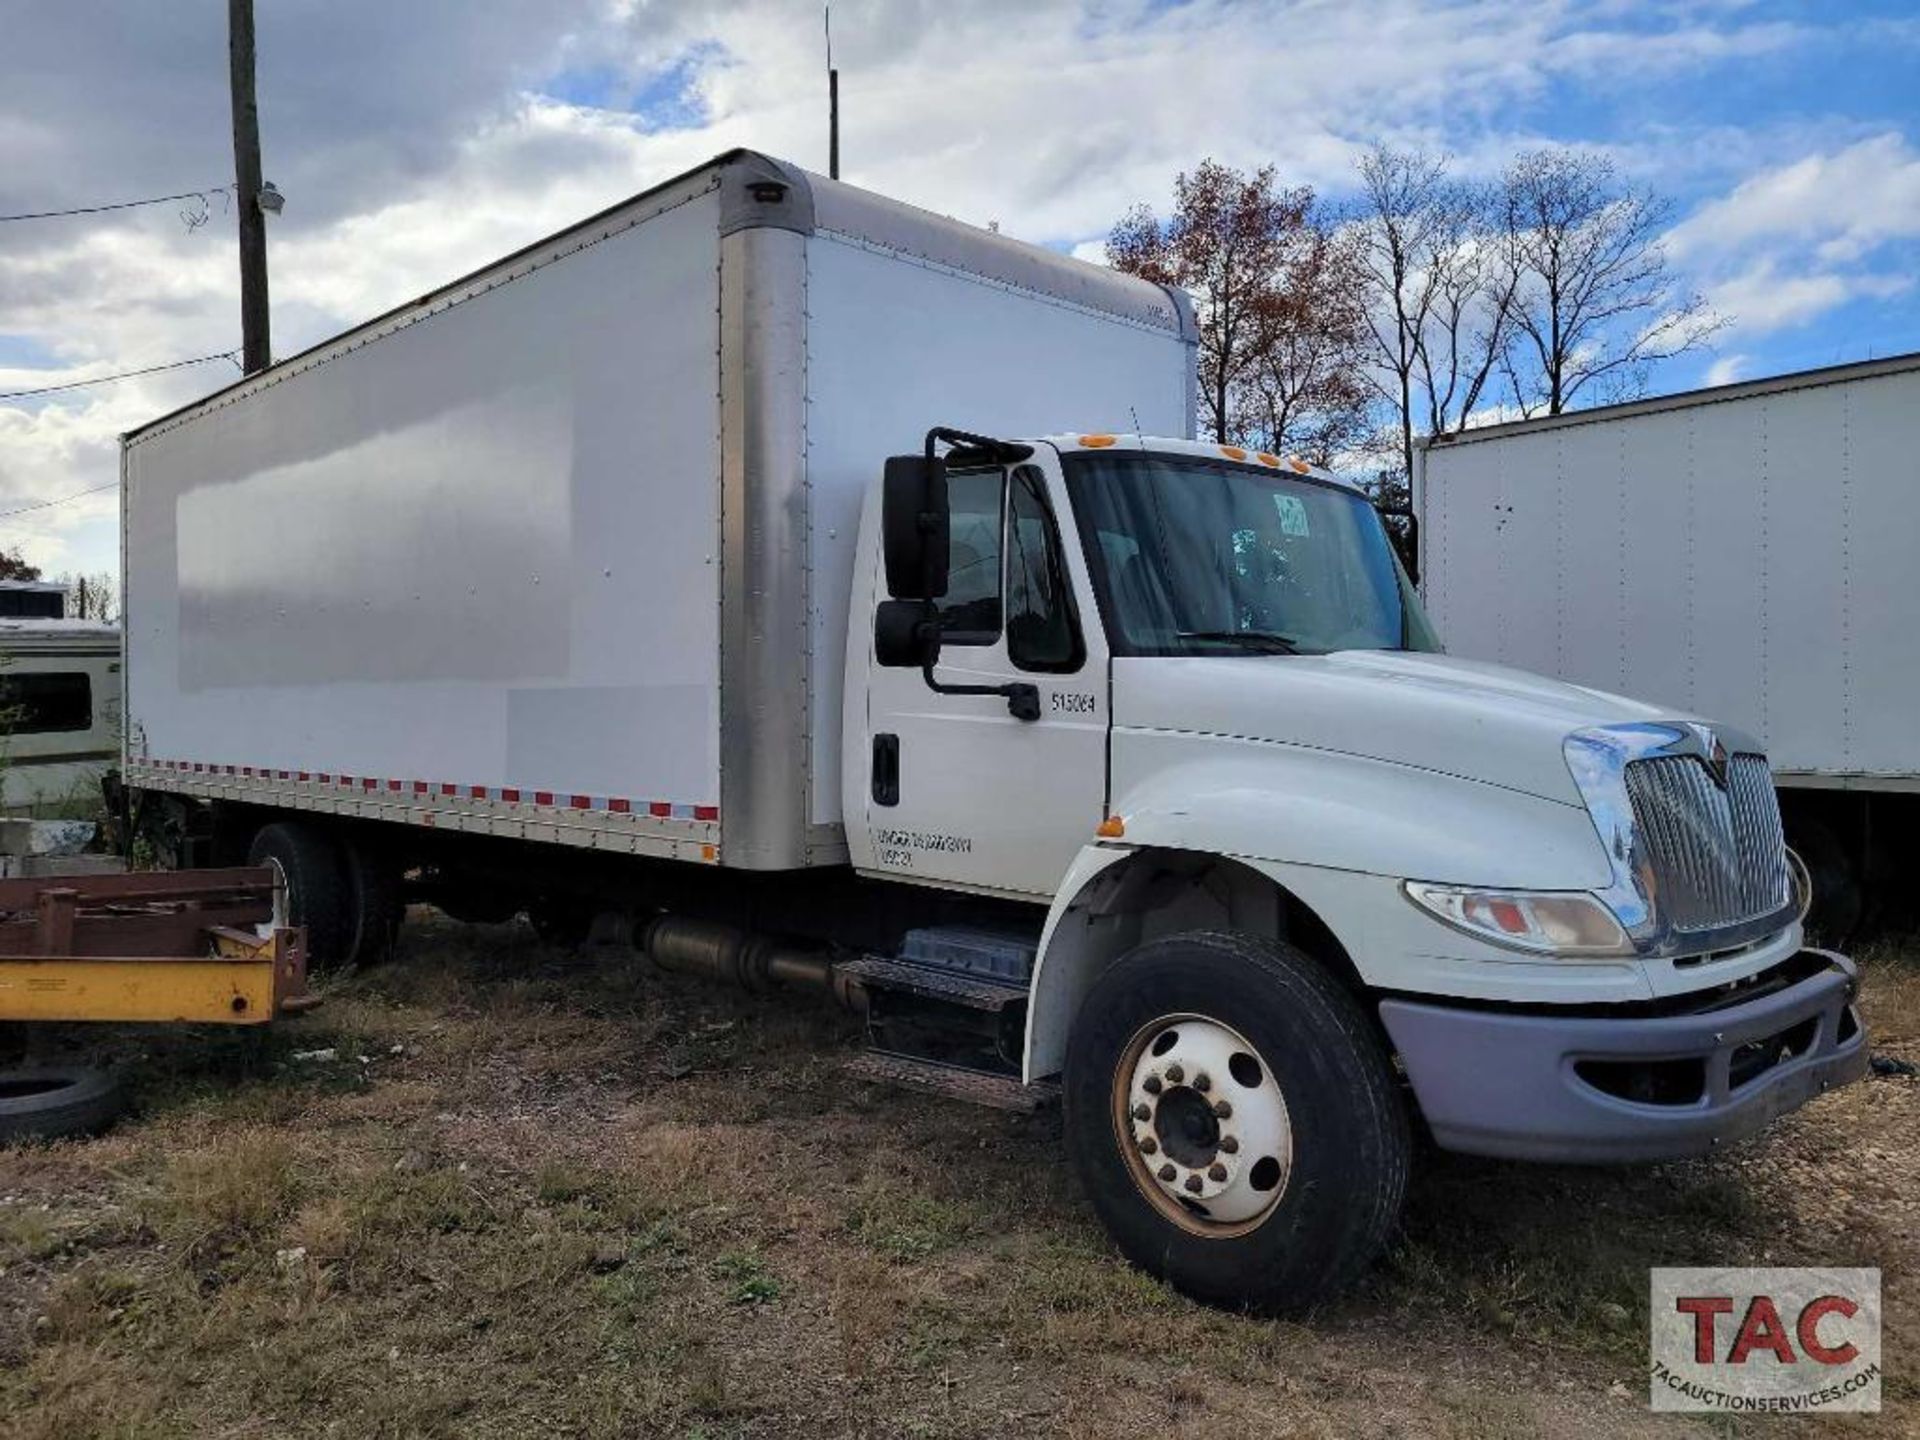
{"x":960,"y":790}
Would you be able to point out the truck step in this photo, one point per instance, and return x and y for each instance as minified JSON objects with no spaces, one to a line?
{"x":999,"y":1092}
{"x":970,"y":991}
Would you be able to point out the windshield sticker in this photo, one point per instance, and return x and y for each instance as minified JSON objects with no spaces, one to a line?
{"x":1293,"y":515}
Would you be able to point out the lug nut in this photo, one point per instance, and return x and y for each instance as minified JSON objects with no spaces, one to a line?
{"x":1202,"y":1082}
{"x":1148,"y":1145}
{"x":1151,"y":1084}
{"x":1167,"y":1172}
{"x":1229,"y":1145}
{"x":1175,"y":1074}
{"x":1222,"y":1109}
{"x":1216,"y":1171}
{"x":1193,"y":1183}
{"x":1142,"y":1112}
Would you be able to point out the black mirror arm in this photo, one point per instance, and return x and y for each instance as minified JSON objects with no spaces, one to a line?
{"x":1023,"y":700}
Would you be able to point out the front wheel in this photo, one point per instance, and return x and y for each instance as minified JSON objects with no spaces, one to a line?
{"x":1235,"y":1120}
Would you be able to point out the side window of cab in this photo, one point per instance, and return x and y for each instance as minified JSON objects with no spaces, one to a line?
{"x":970,"y":610}
{"x":1042,"y":631}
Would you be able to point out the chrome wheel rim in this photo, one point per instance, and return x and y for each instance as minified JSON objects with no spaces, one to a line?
{"x":1203,"y":1125}
{"x":282,"y":894}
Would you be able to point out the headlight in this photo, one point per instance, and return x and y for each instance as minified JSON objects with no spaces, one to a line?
{"x":1553,"y":922}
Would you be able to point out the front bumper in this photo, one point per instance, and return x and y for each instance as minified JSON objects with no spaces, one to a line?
{"x":1599,"y":1088}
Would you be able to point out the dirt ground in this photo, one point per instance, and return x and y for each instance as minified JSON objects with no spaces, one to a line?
{"x":494,"y":1190}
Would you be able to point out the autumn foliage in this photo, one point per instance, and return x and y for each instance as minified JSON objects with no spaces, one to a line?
{"x":1280,"y":302}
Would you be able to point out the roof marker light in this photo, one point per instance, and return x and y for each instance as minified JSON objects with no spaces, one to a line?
{"x":1233,"y":452}
{"x":1111,"y":828}
{"x":1096,"y":442}
{"x":1265,"y":459}
{"x":1298,"y":464}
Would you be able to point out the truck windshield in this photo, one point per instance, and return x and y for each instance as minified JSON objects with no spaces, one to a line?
{"x":1192,"y":556}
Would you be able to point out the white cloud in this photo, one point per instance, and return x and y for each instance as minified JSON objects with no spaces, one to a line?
{"x":1844,"y":203}
{"x":1797,"y":241}
{"x":408,"y":159}
{"x":1761,"y":298}
{"x":1725,"y":370}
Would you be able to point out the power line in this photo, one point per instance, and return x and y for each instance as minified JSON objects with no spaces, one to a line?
{"x":122,"y":375}
{"x":63,"y":500}
{"x":200,"y":195}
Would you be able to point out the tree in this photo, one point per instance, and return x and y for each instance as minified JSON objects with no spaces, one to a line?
{"x":92,"y":597}
{"x":1277,"y":302}
{"x":13,"y":566}
{"x":1439,"y":290}
{"x":1594,"y":305}
{"x":1305,"y":391}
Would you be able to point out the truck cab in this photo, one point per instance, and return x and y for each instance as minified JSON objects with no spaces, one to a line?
{"x":1307,"y":878}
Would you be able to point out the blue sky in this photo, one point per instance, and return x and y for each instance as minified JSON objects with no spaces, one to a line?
{"x":416,"y":141}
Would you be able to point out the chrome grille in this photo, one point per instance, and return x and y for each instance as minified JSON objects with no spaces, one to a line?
{"x":1717,"y":855}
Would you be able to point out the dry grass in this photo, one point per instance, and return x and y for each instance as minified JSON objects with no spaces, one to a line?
{"x":534,"y":1196}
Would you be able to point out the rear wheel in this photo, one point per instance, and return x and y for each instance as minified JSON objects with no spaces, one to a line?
{"x":374,"y":901}
{"x":1839,"y":899}
{"x":307,"y":864}
{"x":1234,"y":1120}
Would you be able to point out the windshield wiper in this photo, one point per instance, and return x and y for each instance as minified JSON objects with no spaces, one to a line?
{"x":1269,"y":641}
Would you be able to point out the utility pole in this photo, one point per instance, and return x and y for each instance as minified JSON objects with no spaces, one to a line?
{"x":256,"y":345}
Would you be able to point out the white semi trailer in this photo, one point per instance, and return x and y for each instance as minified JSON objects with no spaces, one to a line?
{"x":1744,"y":552}
{"x":720,"y":564}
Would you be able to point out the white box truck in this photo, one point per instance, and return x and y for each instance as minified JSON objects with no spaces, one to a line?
{"x":720,"y":565}
{"x":1744,"y":552}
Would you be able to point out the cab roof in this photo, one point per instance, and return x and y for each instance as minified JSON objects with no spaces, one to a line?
{"x":1202,"y":449}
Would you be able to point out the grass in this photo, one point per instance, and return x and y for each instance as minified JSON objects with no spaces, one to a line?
{"x":528,"y":1195}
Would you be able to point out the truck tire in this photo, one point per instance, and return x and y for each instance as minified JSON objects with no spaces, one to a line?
{"x":1839,"y":899}
{"x":1235,"y":1121}
{"x":47,"y":1102}
{"x":309,"y":864}
{"x":374,"y":901}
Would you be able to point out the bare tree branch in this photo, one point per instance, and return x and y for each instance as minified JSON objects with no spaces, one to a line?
{"x":1594,"y":303}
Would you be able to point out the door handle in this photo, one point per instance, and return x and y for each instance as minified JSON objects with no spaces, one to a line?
{"x":886,"y":769}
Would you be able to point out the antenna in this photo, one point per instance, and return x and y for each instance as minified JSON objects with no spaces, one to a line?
{"x":833,"y":101}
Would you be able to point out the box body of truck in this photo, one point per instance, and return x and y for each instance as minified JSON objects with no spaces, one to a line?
{"x":1741,"y":552}
{"x":562,"y":550}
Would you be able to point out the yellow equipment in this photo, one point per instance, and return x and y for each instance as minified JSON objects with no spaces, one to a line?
{"x":183,"y":945}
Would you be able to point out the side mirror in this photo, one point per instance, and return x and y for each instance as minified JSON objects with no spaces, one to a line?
{"x":913,"y":527}
{"x":906,"y":635}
